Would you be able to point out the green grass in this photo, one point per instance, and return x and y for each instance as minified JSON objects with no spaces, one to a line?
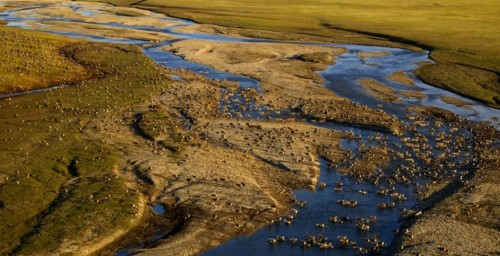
{"x":458,"y":78}
{"x":460,"y":32}
{"x":159,"y":127}
{"x":59,"y":185}
{"x":32,"y":60}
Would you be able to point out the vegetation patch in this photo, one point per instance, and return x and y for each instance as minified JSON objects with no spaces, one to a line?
{"x":379,"y":90}
{"x":413,"y":94}
{"x":316,"y":57}
{"x":33,"y":60}
{"x":157,"y":126}
{"x":61,"y":187}
{"x":455,"y":101}
{"x":364,"y":55}
{"x":475,"y":83}
{"x":402,"y":78}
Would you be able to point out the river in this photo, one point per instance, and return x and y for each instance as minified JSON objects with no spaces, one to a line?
{"x":342,"y":79}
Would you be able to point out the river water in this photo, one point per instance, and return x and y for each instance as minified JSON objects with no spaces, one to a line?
{"x":342,"y":79}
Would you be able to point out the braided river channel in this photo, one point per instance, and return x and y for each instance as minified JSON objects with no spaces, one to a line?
{"x":344,"y":214}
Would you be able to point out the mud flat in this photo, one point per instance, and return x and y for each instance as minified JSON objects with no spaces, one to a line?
{"x":343,"y":111}
{"x":284,"y":72}
{"x":292,"y":146}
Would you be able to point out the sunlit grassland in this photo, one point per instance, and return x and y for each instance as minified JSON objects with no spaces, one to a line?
{"x":462,"y":32}
{"x":32,"y":60}
{"x":59,"y":186}
{"x":156,"y":126}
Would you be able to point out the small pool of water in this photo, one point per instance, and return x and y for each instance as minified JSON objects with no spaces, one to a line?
{"x":159,"y":209}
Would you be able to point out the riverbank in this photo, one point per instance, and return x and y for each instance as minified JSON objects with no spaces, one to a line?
{"x":289,"y":78}
{"x":63,"y":190}
{"x":463,"y":48}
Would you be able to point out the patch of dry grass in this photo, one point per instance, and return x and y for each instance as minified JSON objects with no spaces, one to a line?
{"x":379,"y":90}
{"x":364,"y":55}
{"x":34,"y":60}
{"x":402,"y":78}
{"x":413,"y":94}
{"x":455,"y":101}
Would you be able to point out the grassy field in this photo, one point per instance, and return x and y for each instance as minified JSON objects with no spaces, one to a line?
{"x":463,"y":35}
{"x":32,"y":60}
{"x":60,"y":187}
